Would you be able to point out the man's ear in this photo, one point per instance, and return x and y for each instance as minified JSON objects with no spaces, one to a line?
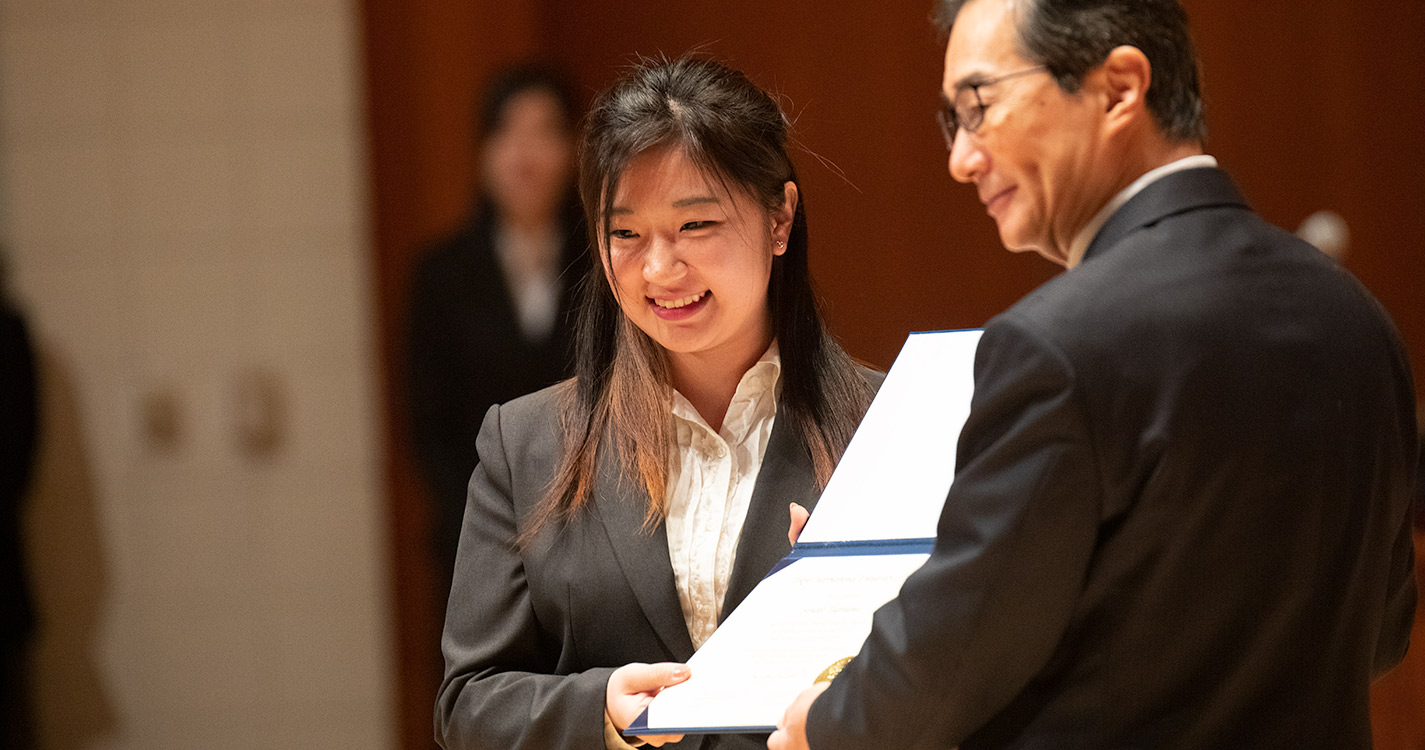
{"x":1126,"y":75}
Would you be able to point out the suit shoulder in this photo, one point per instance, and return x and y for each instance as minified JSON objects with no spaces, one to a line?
{"x":543,"y":406}
{"x":1207,"y":264}
{"x":527,"y":431}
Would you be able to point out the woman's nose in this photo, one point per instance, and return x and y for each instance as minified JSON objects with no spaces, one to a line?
{"x":661,"y":262}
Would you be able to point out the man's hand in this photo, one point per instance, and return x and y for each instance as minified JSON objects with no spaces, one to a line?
{"x":799,"y":521}
{"x":791,"y":731}
{"x":632,"y":687}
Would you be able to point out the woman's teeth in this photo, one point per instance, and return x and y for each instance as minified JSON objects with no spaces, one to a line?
{"x":673,"y":304}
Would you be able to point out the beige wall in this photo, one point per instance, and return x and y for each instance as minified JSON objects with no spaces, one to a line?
{"x":183,"y":204}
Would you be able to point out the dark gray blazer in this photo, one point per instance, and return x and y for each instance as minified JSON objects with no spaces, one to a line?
{"x":1180,"y":514}
{"x":531,"y":636}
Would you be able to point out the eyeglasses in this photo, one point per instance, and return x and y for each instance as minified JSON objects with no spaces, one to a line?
{"x":968,"y":109}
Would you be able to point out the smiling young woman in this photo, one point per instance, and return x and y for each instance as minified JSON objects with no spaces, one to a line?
{"x":616,"y":518}
{"x":690,"y":260}
{"x":734,"y":136}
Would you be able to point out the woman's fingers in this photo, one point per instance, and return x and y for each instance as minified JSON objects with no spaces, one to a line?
{"x":799,"y":521}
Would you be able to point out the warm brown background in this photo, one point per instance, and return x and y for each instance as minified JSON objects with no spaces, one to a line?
{"x":1311,"y":105}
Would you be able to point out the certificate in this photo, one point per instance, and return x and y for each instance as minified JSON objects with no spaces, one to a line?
{"x":872,"y":527}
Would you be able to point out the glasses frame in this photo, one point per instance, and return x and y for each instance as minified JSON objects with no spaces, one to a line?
{"x":949,"y":114}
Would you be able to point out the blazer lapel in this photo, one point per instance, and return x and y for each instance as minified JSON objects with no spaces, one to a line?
{"x":642,"y":554}
{"x":786,"y":477}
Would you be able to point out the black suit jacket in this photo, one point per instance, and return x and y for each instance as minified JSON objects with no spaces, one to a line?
{"x":466,"y":353}
{"x":1179,"y":517}
{"x":531,"y":636}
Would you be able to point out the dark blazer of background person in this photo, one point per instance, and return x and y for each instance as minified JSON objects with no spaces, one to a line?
{"x":19,"y":431}
{"x":1181,"y":507}
{"x":583,"y":599}
{"x":466,"y":353}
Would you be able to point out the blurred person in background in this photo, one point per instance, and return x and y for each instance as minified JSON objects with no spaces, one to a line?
{"x":489,"y":305}
{"x":19,"y":433}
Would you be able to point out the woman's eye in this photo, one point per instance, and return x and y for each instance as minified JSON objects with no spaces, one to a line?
{"x":623,"y":234}
{"x":692,"y":225}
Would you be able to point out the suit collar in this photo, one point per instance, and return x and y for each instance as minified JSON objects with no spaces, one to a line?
{"x":786,"y":476}
{"x":1090,"y":230}
{"x":1182,"y":191}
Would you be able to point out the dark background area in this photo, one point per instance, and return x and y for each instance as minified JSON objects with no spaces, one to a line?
{"x":1310,"y":105}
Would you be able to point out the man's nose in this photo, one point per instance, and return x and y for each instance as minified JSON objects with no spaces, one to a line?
{"x":967,"y":159}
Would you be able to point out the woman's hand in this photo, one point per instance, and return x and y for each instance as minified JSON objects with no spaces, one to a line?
{"x":799,"y":520}
{"x":632,"y":687}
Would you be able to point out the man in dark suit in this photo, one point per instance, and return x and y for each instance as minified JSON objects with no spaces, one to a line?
{"x":1181,"y":511}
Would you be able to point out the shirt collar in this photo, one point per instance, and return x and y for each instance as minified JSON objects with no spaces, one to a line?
{"x":754,"y":399}
{"x":1080,"y":245}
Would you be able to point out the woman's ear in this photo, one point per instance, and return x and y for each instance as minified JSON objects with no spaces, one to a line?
{"x":783,"y":216}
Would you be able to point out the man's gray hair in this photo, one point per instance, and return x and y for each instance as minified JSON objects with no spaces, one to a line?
{"x":1072,"y":37}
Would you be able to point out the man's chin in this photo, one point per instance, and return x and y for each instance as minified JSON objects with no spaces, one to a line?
{"x":1015,"y":242}
{"x":1045,"y":249}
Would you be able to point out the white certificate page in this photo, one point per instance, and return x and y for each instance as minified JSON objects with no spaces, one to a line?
{"x":789,"y":630}
{"x":892,"y":480}
{"x":871,"y":528}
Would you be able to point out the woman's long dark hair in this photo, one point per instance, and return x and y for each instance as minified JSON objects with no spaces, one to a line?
{"x":621,"y":391}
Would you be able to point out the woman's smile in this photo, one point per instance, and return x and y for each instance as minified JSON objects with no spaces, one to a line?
{"x":681,"y":308}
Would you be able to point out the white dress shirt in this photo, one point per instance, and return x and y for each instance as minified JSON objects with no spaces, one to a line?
{"x":530,"y":262}
{"x":710,"y":480}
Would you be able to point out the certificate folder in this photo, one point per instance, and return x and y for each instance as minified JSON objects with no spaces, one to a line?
{"x":872,"y":527}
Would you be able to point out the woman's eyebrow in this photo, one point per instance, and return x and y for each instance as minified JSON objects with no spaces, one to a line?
{"x":680,"y":203}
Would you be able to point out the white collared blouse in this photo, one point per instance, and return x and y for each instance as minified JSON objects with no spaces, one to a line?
{"x":710,"y":481}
